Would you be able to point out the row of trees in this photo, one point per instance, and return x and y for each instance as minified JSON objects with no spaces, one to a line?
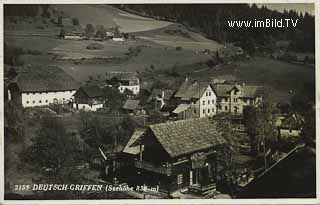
{"x":213,"y":19}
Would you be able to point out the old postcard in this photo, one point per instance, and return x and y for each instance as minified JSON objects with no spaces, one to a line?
{"x":159,"y":103}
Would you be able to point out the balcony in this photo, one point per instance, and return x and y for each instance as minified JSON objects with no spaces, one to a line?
{"x":153,"y":168}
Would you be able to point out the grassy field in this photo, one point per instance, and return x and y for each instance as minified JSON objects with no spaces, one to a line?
{"x":110,"y":17}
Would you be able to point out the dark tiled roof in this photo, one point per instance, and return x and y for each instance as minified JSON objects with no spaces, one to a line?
{"x":158,"y":93}
{"x":92,"y":91}
{"x":187,"y":136}
{"x":247,"y":91}
{"x":121,"y":75}
{"x":132,"y":147}
{"x":223,"y":89}
{"x":51,"y":78}
{"x":131,"y":104}
{"x":191,"y":89}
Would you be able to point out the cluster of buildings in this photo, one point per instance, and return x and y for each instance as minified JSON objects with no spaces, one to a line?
{"x":162,"y":154}
{"x":39,"y":86}
{"x":42,"y":86}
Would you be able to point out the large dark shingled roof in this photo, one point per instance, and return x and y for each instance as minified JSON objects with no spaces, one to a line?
{"x":42,"y":79}
{"x":191,"y":89}
{"x":247,"y":91}
{"x":187,"y":136}
{"x":92,"y":91}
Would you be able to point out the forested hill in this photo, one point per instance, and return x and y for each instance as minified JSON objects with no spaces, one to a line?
{"x":212,"y":20}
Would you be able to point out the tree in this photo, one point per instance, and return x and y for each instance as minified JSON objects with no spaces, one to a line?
{"x":116,"y":31}
{"x":250,"y":119}
{"x":54,"y":152}
{"x":101,"y":32}
{"x":75,"y":21}
{"x":89,"y":30}
{"x":62,"y":33}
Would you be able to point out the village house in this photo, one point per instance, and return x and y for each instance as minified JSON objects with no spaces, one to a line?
{"x":229,"y":51}
{"x":232,"y":98}
{"x":160,"y":97}
{"x":124,"y":81}
{"x":166,"y":155}
{"x":290,"y":126}
{"x":74,"y":36}
{"x":195,"y":99}
{"x":40,"y":86}
{"x":88,"y":98}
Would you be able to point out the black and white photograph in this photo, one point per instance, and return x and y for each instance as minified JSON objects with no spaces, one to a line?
{"x":159,"y":101}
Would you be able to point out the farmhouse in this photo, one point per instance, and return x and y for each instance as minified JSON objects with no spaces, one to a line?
{"x":88,"y":98}
{"x":40,"y":86}
{"x":230,"y":50}
{"x":124,"y":81}
{"x":195,"y":99}
{"x":233,"y":97}
{"x":168,"y":156}
{"x":74,"y":36}
{"x":290,"y":126}
{"x":118,"y":39}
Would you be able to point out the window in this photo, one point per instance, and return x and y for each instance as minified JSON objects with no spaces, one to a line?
{"x":39,"y":101}
{"x":208,"y":110}
{"x":226,"y":107}
{"x":63,"y":98}
{"x":226,"y":99}
{"x":212,"y":109}
{"x":27,"y":93}
{"x":179,"y":179}
{"x":206,"y":93}
{"x":33,"y":102}
{"x":235,"y":99}
{"x":83,"y":107}
{"x":212,"y":101}
{"x":204,"y":111}
{"x":46,"y":101}
{"x":209,"y":93}
{"x":208,"y":102}
{"x":27,"y":101}
{"x":204,"y":102}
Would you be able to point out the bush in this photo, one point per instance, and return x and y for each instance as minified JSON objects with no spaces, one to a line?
{"x":95,"y":46}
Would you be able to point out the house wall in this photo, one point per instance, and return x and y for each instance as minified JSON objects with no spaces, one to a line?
{"x":153,"y":150}
{"x":71,"y":37}
{"x":134,"y":88}
{"x":289,"y":133}
{"x":208,"y":103}
{"x":234,"y":103}
{"x":32,"y":99}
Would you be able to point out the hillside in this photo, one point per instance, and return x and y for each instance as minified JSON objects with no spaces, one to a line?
{"x":160,"y":32}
